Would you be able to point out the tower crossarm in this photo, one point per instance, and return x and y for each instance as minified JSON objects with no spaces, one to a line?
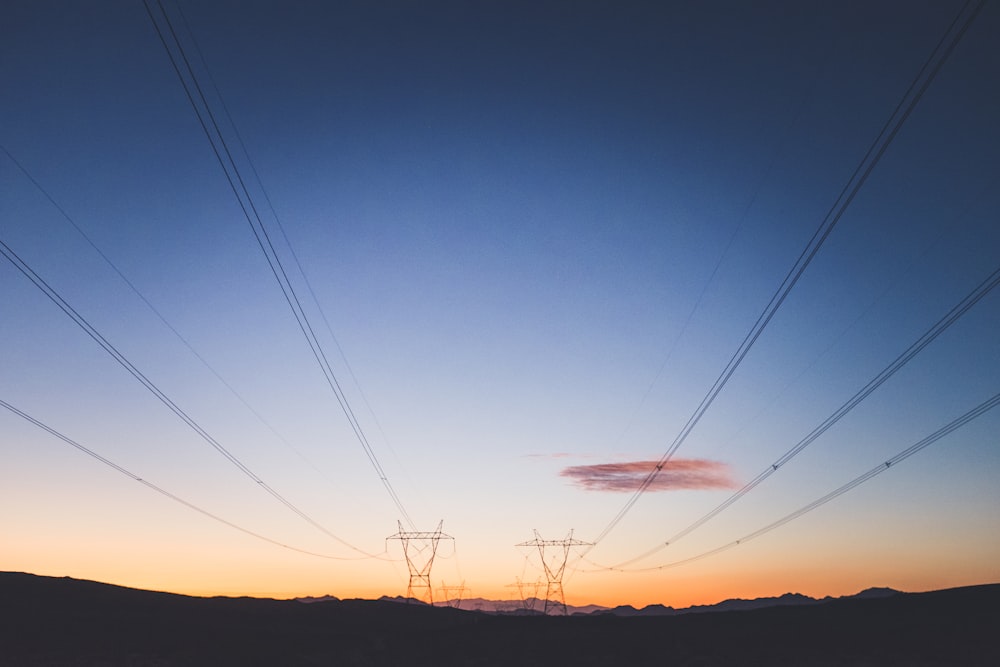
{"x":419,"y":548}
{"x":554,"y":567}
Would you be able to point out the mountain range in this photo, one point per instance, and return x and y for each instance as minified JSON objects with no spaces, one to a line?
{"x":532,"y":605}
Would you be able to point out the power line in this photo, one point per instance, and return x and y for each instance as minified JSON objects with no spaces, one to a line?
{"x":765,"y":174}
{"x":216,"y":139}
{"x":918,"y":86}
{"x":939,"y":327}
{"x":889,"y":286}
{"x":976,"y":412}
{"x":82,"y":322}
{"x":111,"y":464}
{"x":281,"y":228}
{"x":155,"y":311}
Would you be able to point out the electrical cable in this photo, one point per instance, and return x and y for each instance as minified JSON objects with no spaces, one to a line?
{"x":82,"y":322}
{"x":939,"y":327}
{"x":262,"y":236}
{"x":918,"y":86}
{"x":157,"y":313}
{"x":976,"y":412}
{"x":281,"y":228}
{"x":91,"y":453}
{"x":889,"y":286}
{"x":764,"y":176}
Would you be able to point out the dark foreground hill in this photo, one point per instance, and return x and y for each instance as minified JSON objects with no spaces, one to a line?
{"x":49,"y":621}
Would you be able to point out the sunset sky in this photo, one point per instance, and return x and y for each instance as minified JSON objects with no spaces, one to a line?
{"x":539,"y":231}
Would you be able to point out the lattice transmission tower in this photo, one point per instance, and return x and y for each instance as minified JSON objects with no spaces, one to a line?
{"x":419,"y":549}
{"x":453,"y":594}
{"x":554,"y":566}
{"x":527,"y":601}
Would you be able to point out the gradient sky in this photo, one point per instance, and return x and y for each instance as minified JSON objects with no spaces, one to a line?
{"x":508,"y":212}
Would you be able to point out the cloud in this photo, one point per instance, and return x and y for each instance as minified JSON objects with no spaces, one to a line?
{"x":677,"y":474}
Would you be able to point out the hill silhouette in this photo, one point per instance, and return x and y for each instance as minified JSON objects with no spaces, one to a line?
{"x":62,"y":621}
{"x":534,"y":605}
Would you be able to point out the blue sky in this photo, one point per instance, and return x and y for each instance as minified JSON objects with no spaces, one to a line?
{"x":508,"y":213}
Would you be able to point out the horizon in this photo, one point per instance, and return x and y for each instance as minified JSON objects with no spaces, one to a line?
{"x":524,"y":244}
{"x":477,"y":599}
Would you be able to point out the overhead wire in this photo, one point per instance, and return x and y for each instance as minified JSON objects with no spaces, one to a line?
{"x":220,"y":147}
{"x":111,"y":464}
{"x":946,"y":230}
{"x":18,"y":263}
{"x":913,"y":94}
{"x":955,"y":424}
{"x":281,"y":228}
{"x":453,"y":556}
{"x":939,"y":327}
{"x":744,"y":215}
{"x":142,"y":297}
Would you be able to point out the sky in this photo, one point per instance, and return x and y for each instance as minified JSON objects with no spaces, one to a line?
{"x":538,"y":232}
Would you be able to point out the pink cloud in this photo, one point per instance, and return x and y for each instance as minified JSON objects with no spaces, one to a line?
{"x":676,"y":474}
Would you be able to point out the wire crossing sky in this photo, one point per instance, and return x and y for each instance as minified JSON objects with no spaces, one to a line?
{"x":111,"y":464}
{"x":156,"y":312}
{"x":510,"y":215}
{"x":926,"y":339}
{"x":124,"y":362}
{"x":251,"y":212}
{"x":911,"y":97}
{"x":976,"y":412}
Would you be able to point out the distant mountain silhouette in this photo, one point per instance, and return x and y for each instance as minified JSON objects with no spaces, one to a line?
{"x":736,"y":604}
{"x":869,"y":593}
{"x":517,"y":607}
{"x":67,"y":622}
{"x":401,"y":599}
{"x":322,"y":598}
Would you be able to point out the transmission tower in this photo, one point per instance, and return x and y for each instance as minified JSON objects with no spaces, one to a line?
{"x":420,"y":548}
{"x":554,"y":567}
{"x":527,"y":601}
{"x":449,"y":593}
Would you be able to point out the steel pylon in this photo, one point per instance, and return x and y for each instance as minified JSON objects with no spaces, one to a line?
{"x":419,"y":549}
{"x":554,"y":567}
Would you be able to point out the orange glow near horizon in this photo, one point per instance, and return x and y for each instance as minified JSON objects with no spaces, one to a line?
{"x":701,"y":586}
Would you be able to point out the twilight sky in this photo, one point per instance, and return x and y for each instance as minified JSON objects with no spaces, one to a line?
{"x":538,"y":232}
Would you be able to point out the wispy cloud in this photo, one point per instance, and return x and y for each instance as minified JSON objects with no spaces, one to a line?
{"x":676,"y":475}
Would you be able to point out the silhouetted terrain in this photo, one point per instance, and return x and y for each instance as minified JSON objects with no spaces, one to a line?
{"x":50,"y":621}
{"x":534,"y":605}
